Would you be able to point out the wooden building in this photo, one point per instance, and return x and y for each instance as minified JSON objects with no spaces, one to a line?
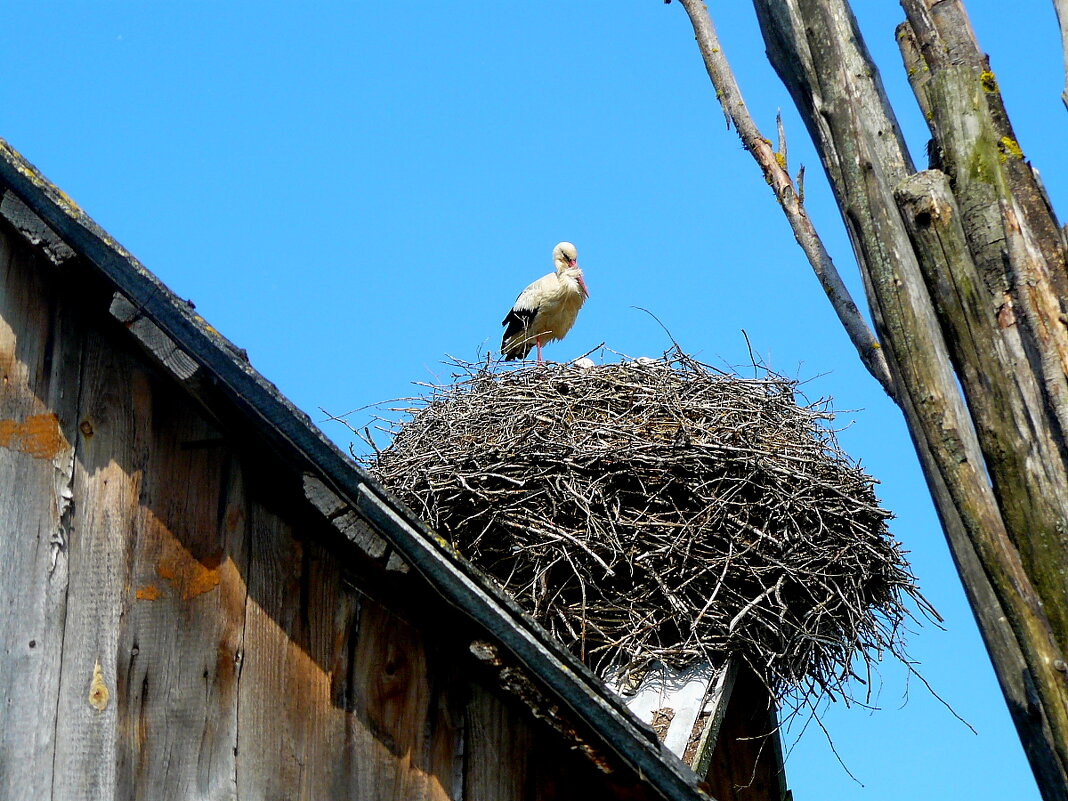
{"x":201,"y":597}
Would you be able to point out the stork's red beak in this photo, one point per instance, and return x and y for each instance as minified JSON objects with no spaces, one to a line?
{"x":582,"y":283}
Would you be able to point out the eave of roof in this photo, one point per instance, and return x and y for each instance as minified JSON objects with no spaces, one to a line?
{"x":291,"y":431}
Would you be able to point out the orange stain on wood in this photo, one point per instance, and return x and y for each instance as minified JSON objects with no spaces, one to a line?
{"x":150,"y":592}
{"x":98,"y":690}
{"x":189,"y":576}
{"x":38,"y":436}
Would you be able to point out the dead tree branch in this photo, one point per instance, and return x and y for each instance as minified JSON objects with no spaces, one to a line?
{"x":1062,"y":17}
{"x":775,"y":172}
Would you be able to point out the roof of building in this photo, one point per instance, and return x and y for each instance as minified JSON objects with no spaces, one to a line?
{"x":197,"y":355}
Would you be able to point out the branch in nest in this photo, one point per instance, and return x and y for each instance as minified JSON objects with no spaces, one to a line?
{"x":661,"y":511}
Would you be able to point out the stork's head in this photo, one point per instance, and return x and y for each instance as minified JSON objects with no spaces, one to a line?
{"x":564,"y":256}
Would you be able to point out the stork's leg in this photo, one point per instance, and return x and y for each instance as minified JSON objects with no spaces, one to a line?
{"x":538,"y":341}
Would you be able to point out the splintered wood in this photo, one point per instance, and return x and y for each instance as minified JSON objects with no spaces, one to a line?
{"x":661,"y":511}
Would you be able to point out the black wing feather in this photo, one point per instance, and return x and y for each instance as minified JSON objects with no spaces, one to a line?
{"x":518,"y":321}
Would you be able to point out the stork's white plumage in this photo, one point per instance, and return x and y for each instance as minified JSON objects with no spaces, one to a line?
{"x":546,"y":309}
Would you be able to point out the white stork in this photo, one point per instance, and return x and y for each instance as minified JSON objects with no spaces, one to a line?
{"x":546,"y":309}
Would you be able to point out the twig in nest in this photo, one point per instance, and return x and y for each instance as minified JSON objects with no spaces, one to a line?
{"x":662,"y":510}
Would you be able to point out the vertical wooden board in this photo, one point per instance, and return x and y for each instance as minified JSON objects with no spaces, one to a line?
{"x":402,"y":744}
{"x":497,"y":750}
{"x":510,"y":757}
{"x":291,"y":725}
{"x":746,"y":764}
{"x":112,"y":453}
{"x":180,"y":642}
{"x":40,"y":351}
{"x":450,"y":691}
{"x":562,"y":774}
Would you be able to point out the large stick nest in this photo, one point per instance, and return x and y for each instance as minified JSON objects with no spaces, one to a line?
{"x":660,"y":511}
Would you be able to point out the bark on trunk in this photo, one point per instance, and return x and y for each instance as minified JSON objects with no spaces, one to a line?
{"x":930,"y":211}
{"x":964,"y":285}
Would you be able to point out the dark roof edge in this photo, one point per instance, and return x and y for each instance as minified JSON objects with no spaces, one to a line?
{"x":290,"y":428}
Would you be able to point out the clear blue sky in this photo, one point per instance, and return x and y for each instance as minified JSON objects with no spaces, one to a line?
{"x":353,"y":190}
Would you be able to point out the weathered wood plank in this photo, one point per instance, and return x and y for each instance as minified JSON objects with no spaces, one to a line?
{"x":33,"y":228}
{"x":180,"y":363}
{"x":393,"y":715}
{"x":179,"y":647}
{"x":344,"y":517}
{"x":699,"y":751}
{"x":496,"y":751}
{"x":747,"y":761}
{"x":293,"y":735}
{"x":448,"y":726}
{"x":40,"y":352}
{"x":115,"y":416}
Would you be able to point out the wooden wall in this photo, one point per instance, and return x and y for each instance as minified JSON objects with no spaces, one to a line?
{"x":747,"y":763}
{"x":176,"y":621}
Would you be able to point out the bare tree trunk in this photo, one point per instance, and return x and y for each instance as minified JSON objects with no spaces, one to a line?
{"x":929,"y":209}
{"x":995,"y":262}
{"x":964,"y":286}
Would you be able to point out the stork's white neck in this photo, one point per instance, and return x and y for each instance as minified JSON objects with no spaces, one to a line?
{"x":571,"y":277}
